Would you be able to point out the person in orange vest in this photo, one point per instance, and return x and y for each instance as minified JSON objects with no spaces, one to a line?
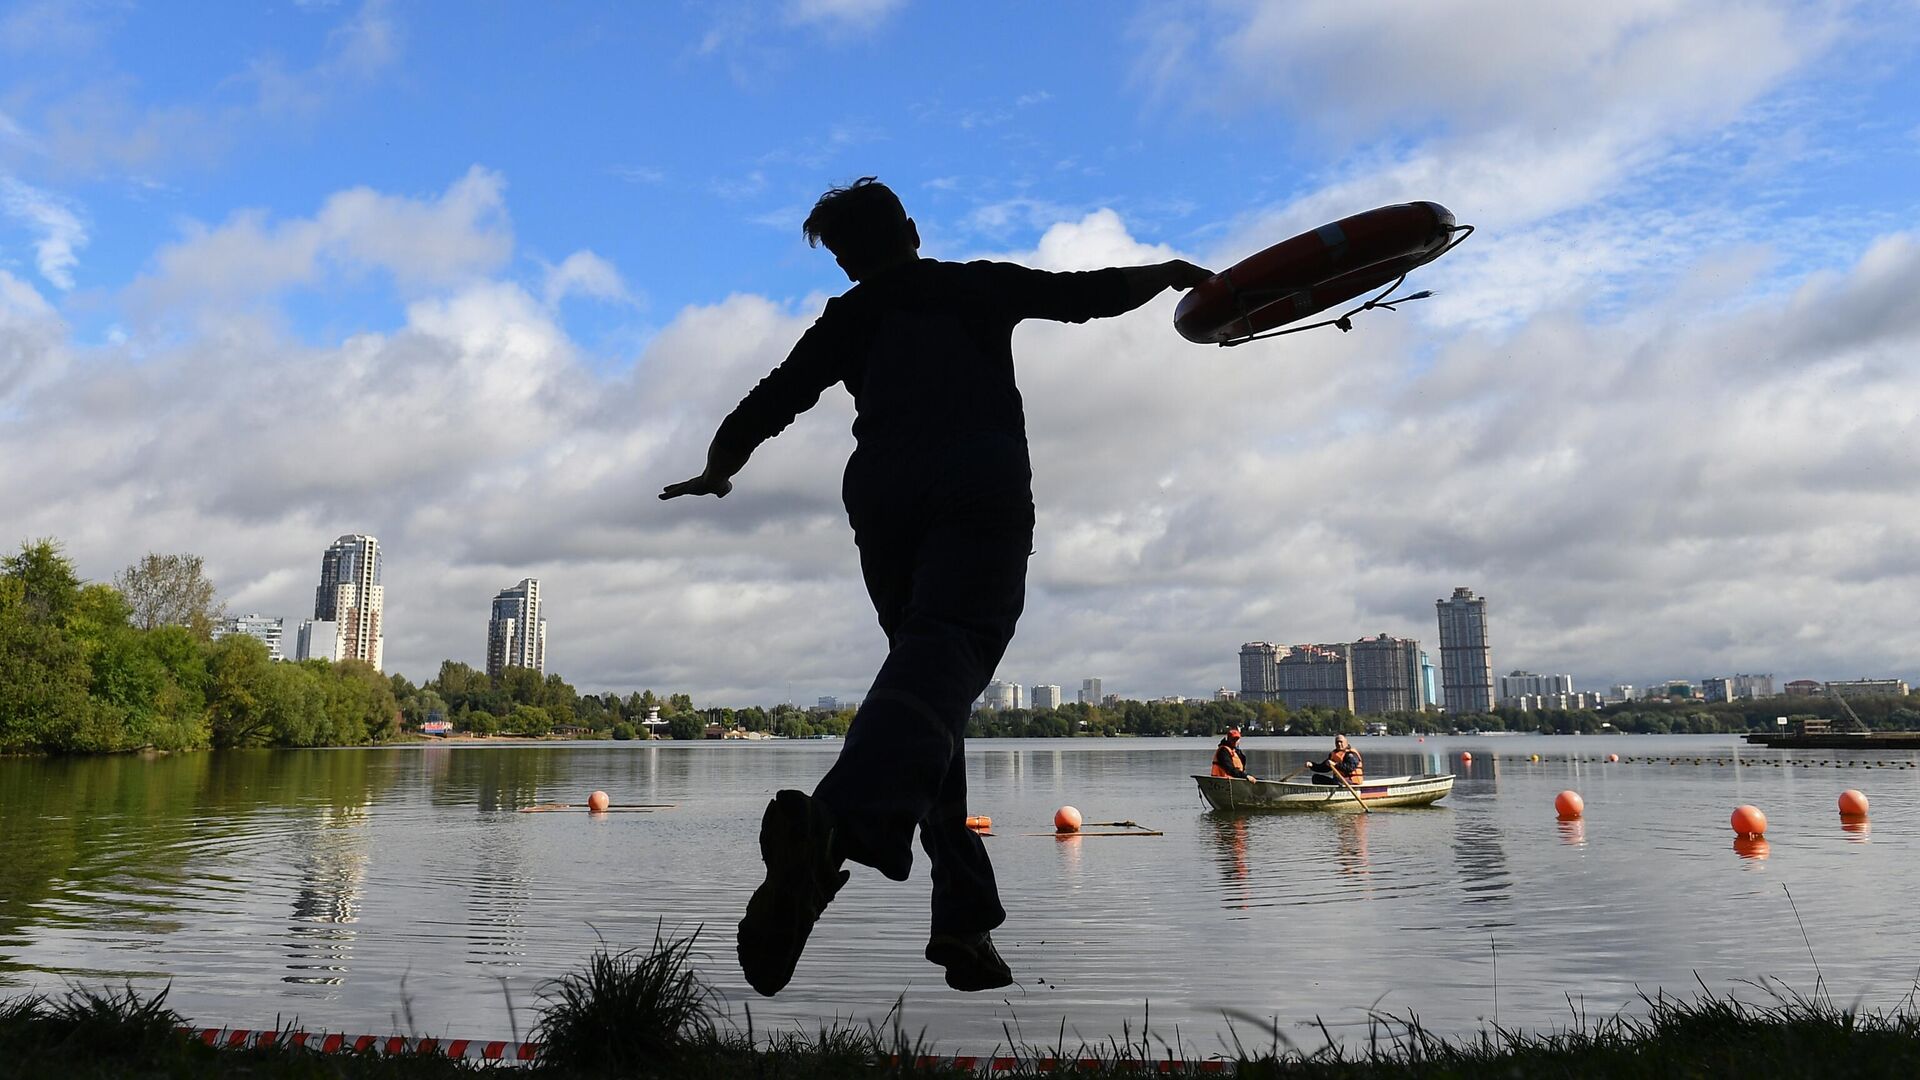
{"x":1344,"y":759}
{"x":1227,"y":759}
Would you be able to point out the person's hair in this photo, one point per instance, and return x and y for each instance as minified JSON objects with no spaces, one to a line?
{"x":861,"y":223}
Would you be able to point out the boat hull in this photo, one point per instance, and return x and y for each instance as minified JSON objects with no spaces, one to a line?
{"x":1231,"y":793}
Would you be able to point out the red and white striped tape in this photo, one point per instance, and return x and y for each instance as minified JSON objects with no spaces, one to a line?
{"x":485,"y":1050}
{"x":503,"y":1050}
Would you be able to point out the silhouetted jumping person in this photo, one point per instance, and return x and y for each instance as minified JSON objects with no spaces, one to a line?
{"x":939,"y":493}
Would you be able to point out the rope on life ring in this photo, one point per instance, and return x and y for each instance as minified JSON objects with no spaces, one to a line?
{"x":1345,"y":321}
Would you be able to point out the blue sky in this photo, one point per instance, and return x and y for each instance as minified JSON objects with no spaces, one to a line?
{"x":479,"y":278}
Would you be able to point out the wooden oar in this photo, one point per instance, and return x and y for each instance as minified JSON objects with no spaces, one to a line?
{"x":1337,"y":775}
{"x":1289,"y":776}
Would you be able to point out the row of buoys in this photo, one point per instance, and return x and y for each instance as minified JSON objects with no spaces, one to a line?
{"x":1748,"y":820}
{"x":1466,"y":758}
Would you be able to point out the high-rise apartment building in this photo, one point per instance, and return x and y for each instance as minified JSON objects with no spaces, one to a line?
{"x":1258,"y":679}
{"x":1466,"y":664}
{"x":351,"y":596}
{"x":1748,"y":687}
{"x":269,"y":631}
{"x":1046,"y":696}
{"x":517,"y":634}
{"x":1090,"y":692}
{"x":1386,"y":675}
{"x":1315,"y":675}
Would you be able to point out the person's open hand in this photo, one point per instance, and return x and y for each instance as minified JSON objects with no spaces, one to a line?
{"x":699,"y":485}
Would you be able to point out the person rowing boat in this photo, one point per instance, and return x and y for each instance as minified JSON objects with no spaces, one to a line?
{"x":1343,"y":761}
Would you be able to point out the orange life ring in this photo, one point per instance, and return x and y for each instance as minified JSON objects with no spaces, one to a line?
{"x":1311,"y":272}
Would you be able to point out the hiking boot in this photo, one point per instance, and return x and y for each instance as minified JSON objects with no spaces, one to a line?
{"x":803,"y":874}
{"x":971,"y":961}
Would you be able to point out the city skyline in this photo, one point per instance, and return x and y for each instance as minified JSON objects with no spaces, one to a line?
{"x":350,"y":550}
{"x":310,"y":270}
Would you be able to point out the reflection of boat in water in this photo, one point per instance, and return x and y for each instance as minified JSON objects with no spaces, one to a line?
{"x":1231,"y":793}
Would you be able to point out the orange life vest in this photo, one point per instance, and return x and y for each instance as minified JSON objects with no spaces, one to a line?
{"x":1239,"y":760}
{"x":1335,"y":759}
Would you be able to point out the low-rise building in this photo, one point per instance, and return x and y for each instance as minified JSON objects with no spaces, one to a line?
{"x":1866,"y":688}
{"x":269,"y":631}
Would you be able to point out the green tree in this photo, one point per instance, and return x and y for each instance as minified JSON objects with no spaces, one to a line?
{"x":293,"y":701}
{"x":49,"y":587}
{"x":529,"y":720}
{"x":237,"y":682}
{"x":687,"y":726}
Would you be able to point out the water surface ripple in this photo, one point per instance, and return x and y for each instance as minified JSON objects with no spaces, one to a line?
{"x":354,"y":889}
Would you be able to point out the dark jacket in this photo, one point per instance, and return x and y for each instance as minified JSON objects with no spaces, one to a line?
{"x":926,"y":350}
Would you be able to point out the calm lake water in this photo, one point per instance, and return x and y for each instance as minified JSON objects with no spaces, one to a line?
{"x":336,"y":885}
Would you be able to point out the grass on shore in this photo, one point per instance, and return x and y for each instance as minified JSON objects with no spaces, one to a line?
{"x":648,"y":1014}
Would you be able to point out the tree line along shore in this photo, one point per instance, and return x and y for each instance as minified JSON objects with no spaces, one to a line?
{"x":133,"y":665}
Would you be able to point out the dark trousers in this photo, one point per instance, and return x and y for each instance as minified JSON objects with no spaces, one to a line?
{"x":943,"y":545}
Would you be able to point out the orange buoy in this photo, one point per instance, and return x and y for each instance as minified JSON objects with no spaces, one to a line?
{"x":598,"y":802}
{"x":1066,"y":819}
{"x":1749,"y":821}
{"x":1853,"y":803}
{"x":1613,"y":757}
{"x":1569,"y":805}
{"x":979,"y":823}
{"x":1465,"y":756}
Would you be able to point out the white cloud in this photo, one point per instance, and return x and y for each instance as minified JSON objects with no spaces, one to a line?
{"x":584,"y":274}
{"x":848,"y":14}
{"x":32,"y":339}
{"x":94,"y":115}
{"x":458,"y":236}
{"x":1678,"y":486}
{"x":60,"y":230}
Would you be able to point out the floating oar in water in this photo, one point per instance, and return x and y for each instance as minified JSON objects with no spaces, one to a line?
{"x":624,"y":808}
{"x":1077,"y":835}
{"x":1128,"y":828}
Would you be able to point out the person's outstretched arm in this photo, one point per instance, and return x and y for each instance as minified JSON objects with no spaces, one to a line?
{"x":1079,"y":295}
{"x":789,"y":390}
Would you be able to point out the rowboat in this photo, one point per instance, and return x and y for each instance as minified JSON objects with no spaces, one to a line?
{"x":1233,"y":793}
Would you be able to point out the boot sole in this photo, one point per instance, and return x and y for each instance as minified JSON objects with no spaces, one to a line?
{"x":964,"y":970}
